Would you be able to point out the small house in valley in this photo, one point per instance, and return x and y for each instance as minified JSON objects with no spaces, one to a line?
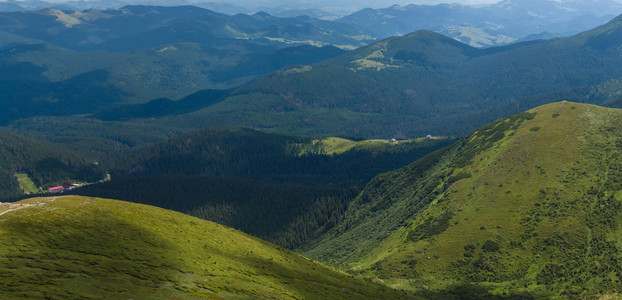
{"x":56,"y":189}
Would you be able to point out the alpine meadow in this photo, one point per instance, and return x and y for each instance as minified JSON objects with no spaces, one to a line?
{"x":310,"y":150}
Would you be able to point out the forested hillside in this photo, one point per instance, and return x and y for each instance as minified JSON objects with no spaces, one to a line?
{"x":422,"y":83}
{"x":44,"y":163}
{"x":42,"y":79}
{"x":60,"y":62}
{"x":283,"y":213}
{"x":280,"y":188}
{"x":252,"y":154}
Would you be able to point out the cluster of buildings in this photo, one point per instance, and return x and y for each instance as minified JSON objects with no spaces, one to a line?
{"x":61,"y":188}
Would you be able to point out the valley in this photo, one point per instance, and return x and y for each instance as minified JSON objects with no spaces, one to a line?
{"x":442,"y":151}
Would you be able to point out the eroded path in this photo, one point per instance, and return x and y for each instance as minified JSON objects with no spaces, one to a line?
{"x":17,"y":206}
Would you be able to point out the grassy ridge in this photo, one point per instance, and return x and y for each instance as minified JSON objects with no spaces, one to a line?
{"x":91,"y":248}
{"x":527,"y":206}
{"x":337,"y":145}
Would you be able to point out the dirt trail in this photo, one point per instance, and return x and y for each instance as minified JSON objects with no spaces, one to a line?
{"x":18,"y":206}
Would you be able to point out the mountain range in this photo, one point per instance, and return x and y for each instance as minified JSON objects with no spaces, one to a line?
{"x":417,"y":166}
{"x":102,"y":60}
{"x":422,"y":83}
{"x":494,"y":24}
{"x":139,"y":27}
{"x":139,"y":53}
{"x":477,"y":25}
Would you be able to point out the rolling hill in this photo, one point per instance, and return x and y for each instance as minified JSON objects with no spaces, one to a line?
{"x":527,"y":206}
{"x":91,"y":248}
{"x":422,"y":83}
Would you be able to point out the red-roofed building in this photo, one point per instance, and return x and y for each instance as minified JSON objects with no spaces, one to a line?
{"x":56,"y":189}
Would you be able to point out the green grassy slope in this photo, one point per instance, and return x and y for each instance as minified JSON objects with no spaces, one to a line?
{"x":529,"y":205}
{"x":92,"y":248}
{"x":337,"y":145}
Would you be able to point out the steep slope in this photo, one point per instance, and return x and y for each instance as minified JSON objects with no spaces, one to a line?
{"x":76,"y":247}
{"x":419,"y":84}
{"x":529,"y":205}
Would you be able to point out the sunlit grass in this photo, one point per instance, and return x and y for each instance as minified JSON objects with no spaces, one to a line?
{"x":78,"y":247}
{"x":26,"y":184}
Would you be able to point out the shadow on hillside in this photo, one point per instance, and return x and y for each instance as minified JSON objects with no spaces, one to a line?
{"x":467,"y":291}
{"x":74,"y":253}
{"x":309,"y":280}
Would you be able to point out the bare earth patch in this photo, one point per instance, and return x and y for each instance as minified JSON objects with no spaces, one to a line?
{"x":9,"y":207}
